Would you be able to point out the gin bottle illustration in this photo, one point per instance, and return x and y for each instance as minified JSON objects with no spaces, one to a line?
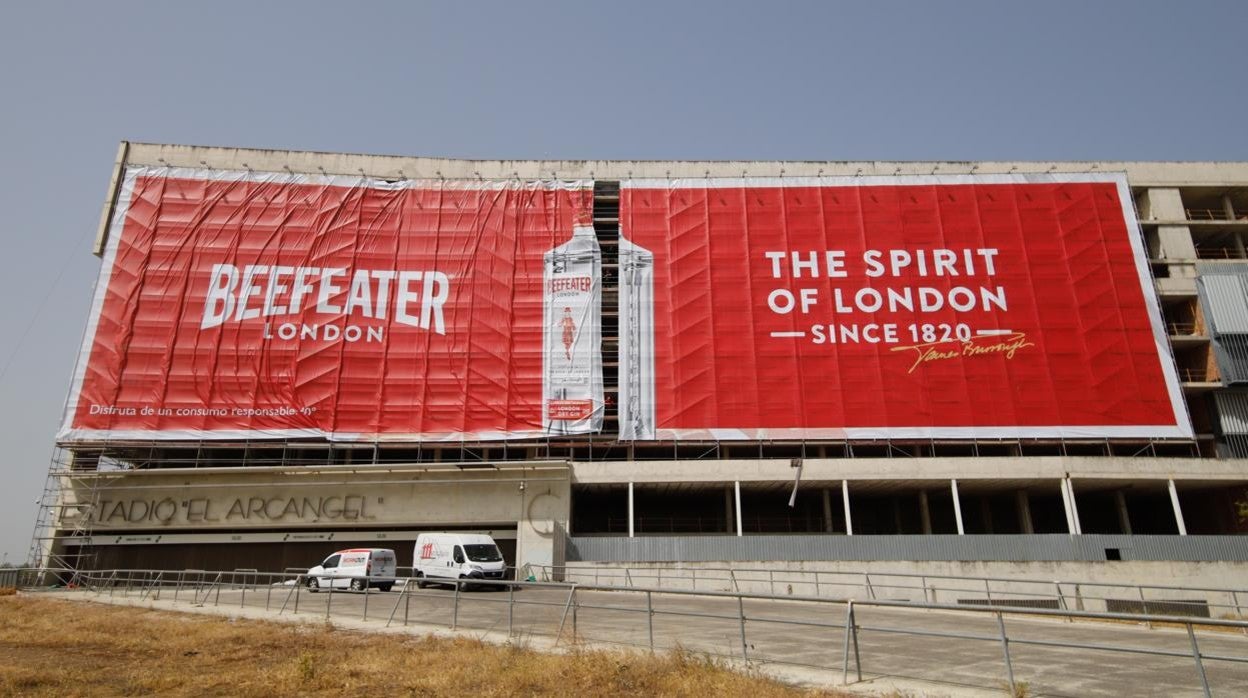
{"x":572,"y":333}
{"x":636,"y":342}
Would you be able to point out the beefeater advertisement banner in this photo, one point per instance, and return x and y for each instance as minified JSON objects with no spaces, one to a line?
{"x":240,"y":305}
{"x":987,"y":306}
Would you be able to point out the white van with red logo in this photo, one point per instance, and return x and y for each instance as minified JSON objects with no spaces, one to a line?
{"x":356,"y":569}
{"x":443,"y":556}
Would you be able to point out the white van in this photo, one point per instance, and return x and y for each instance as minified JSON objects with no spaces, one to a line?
{"x":355,"y":569}
{"x":456,"y":556}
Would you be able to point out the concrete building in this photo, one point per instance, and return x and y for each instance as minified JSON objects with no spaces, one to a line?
{"x":584,"y":500}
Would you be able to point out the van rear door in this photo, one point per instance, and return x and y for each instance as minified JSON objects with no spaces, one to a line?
{"x":384,"y":564}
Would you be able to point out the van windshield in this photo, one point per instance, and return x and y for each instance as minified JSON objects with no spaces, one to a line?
{"x":483,"y":553}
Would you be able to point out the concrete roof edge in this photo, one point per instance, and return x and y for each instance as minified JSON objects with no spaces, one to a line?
{"x":418,"y":167}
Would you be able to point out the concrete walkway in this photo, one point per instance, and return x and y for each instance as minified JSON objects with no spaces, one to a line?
{"x":795,"y":641}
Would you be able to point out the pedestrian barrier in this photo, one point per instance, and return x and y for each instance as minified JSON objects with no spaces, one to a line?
{"x":572,"y":612}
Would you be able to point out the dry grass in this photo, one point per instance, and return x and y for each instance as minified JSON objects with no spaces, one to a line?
{"x":59,"y":648}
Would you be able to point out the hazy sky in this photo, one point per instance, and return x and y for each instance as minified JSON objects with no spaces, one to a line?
{"x":577,"y":80}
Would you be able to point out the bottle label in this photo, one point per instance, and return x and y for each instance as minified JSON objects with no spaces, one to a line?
{"x":572,"y":384}
{"x":569,"y":409}
{"x":569,"y":356}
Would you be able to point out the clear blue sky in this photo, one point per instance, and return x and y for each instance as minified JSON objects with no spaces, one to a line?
{"x":577,"y":80}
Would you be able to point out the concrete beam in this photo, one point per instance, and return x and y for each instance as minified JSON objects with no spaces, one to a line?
{"x":1140,"y":173}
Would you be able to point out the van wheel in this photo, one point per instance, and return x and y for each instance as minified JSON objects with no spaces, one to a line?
{"x":358,"y":585}
{"x":385,"y":587}
{"x":420,"y":580}
{"x":313,"y":585}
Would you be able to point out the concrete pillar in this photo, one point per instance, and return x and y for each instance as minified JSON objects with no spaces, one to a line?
{"x":1024,"y":512}
{"x":827,"y":510}
{"x":1175,"y":242}
{"x":849,"y":521}
{"x":736,"y":487}
{"x":1070,"y":521}
{"x":985,"y":514}
{"x":1072,"y":509}
{"x":925,"y":513}
{"x":1178,"y":510}
{"x":1228,"y":210}
{"x":542,"y":529}
{"x":957,"y":507}
{"x":1124,"y":517}
{"x":1074,"y":505}
{"x":1158,"y":204}
{"x":630,"y":508}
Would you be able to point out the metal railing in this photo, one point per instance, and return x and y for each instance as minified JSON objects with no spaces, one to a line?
{"x":1197,"y":375}
{"x":17,"y":577}
{"x":694,"y":618}
{"x":713,"y":524}
{"x":862,"y":585}
{"x":403,"y":573}
{"x":1183,"y":329}
{"x":1213,"y":214}
{"x":1210,"y":252}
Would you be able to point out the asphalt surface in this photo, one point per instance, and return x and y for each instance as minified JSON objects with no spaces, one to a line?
{"x":803,"y":634}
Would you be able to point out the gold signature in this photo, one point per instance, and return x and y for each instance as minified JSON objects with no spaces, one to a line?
{"x":1007,"y":345}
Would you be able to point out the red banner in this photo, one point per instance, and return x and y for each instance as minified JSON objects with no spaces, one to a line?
{"x":879,"y":307}
{"x":241,"y":305}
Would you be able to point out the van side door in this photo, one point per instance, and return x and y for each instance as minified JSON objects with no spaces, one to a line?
{"x":351,"y":565}
{"x":330,"y":568}
{"x":425,"y":556}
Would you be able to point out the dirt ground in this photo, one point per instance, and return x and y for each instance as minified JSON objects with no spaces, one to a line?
{"x":59,"y":648}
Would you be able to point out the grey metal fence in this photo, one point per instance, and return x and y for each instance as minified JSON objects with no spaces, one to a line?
{"x":1010,"y":548}
{"x":657,"y":618}
{"x":864,"y":585}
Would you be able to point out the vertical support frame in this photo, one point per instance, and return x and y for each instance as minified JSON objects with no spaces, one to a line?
{"x":849,"y":519}
{"x":1178,"y":509}
{"x":957,"y":507}
{"x":736,"y":490}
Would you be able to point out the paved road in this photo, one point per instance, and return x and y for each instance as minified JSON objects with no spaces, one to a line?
{"x":801,"y":633}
